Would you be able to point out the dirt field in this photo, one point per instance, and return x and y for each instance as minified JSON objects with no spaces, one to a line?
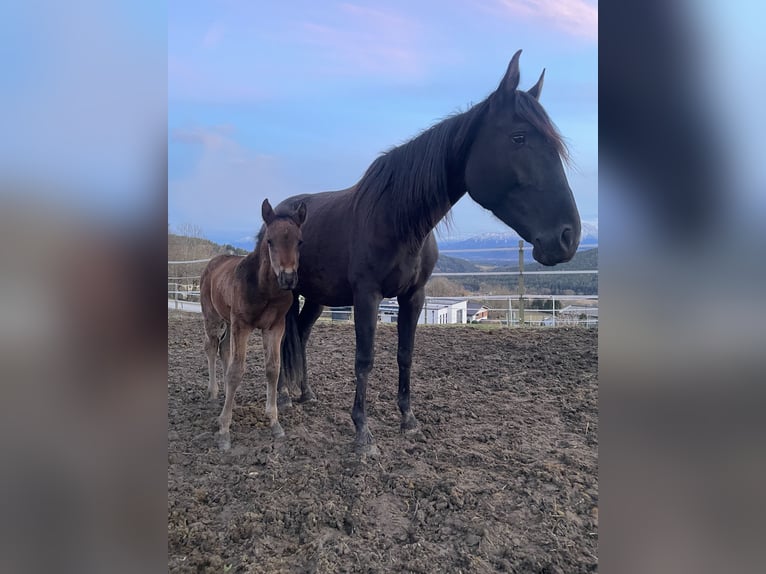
{"x":503,"y":477}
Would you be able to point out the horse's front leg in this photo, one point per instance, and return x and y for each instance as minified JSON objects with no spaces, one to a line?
{"x":365,"y":322}
{"x":409,"y":311}
{"x":233,"y":377}
{"x":272,"y":341}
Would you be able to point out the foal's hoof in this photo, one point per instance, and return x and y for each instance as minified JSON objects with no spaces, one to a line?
{"x":224,"y":441}
{"x":276,"y":431}
{"x":284,"y":402}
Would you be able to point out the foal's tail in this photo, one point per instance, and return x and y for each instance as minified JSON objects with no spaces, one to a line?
{"x":293,"y":367}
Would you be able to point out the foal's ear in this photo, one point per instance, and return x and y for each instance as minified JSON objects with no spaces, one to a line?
{"x":266,"y":211}
{"x":300,"y":213}
{"x":535,"y":90}
{"x":510,"y":81}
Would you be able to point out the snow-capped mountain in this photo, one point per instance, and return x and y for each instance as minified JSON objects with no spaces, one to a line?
{"x":504,"y":240}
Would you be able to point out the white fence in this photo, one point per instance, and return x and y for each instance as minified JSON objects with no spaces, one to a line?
{"x":509,"y":310}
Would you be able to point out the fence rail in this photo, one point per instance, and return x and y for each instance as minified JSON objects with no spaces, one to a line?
{"x":516,"y":311}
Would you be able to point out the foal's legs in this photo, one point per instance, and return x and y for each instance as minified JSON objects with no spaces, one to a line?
{"x":309,"y":315}
{"x":233,"y":378}
{"x":365,"y":322}
{"x":214,"y":331}
{"x":409,"y":310}
{"x":272,"y":340}
{"x":224,"y":349}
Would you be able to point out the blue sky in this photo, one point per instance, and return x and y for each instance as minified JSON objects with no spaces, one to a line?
{"x":270,"y":99}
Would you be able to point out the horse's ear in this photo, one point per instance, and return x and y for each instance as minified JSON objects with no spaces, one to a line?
{"x":535,"y":90}
{"x":511,"y":79}
{"x":266,"y":211}
{"x":300,"y":213}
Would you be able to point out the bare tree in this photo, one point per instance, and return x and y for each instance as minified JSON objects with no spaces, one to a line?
{"x":443,"y":287}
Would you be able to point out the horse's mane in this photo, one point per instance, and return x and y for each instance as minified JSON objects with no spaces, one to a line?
{"x":412,"y":178}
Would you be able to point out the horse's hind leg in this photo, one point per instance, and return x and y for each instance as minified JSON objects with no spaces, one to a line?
{"x":233,"y":377}
{"x":272,"y":340}
{"x":294,"y":368}
{"x":309,"y":315}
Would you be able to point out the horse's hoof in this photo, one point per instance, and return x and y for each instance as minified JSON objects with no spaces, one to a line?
{"x":409,"y":423}
{"x":307,"y":397}
{"x":370,"y":450}
{"x":284,"y":402}
{"x":224,"y":441}
{"x":277,"y":431}
{"x":365,"y":443}
{"x":415,"y":435}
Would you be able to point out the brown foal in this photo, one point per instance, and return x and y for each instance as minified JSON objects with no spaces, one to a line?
{"x":240,"y":294}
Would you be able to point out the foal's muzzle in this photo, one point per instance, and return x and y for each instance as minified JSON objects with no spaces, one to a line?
{"x":287,"y":281}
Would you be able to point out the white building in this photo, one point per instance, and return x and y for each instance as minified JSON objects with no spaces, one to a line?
{"x":435,"y":312}
{"x":444,"y":312}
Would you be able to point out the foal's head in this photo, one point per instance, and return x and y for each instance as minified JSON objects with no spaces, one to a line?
{"x":282,"y":236}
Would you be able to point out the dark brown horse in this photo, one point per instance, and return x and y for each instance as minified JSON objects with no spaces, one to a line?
{"x":375,"y":239}
{"x":240,"y":294}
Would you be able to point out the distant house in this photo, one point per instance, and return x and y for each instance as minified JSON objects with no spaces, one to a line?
{"x":577,"y":314}
{"x":444,"y":312}
{"x":436,"y":312}
{"x":476,"y":311}
{"x":388,"y":312}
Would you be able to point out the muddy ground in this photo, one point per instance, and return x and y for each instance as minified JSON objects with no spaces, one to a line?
{"x":503,"y":477}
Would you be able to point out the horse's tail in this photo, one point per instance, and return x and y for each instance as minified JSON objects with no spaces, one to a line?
{"x":292,"y":370}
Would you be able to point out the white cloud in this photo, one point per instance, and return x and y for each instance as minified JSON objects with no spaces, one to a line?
{"x":227,"y":186}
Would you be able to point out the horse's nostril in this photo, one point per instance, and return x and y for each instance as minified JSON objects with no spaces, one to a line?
{"x":567,"y":237}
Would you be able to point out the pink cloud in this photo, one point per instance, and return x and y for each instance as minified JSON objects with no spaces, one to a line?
{"x":368,"y":41}
{"x":575,"y":17}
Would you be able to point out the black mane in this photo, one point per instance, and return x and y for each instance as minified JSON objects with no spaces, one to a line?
{"x":412,"y":178}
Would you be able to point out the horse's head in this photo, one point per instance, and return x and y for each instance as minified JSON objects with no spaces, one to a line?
{"x":282,"y":235}
{"x":514,"y":169}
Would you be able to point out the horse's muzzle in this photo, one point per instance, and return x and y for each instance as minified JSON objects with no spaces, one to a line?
{"x":287,"y":281}
{"x":557,"y":247}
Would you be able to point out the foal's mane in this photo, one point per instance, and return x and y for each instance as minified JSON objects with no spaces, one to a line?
{"x":411,"y":180}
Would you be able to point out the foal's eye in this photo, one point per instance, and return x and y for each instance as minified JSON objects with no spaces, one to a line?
{"x":518,"y":138}
{"x":300,"y":242}
{"x":269,"y":242}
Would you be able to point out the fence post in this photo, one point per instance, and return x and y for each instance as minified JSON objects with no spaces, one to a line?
{"x":553,"y":300}
{"x":521,"y":282}
{"x":175,"y":293}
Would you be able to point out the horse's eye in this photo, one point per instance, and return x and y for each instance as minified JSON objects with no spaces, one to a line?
{"x":269,"y":242}
{"x":518,"y":138}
